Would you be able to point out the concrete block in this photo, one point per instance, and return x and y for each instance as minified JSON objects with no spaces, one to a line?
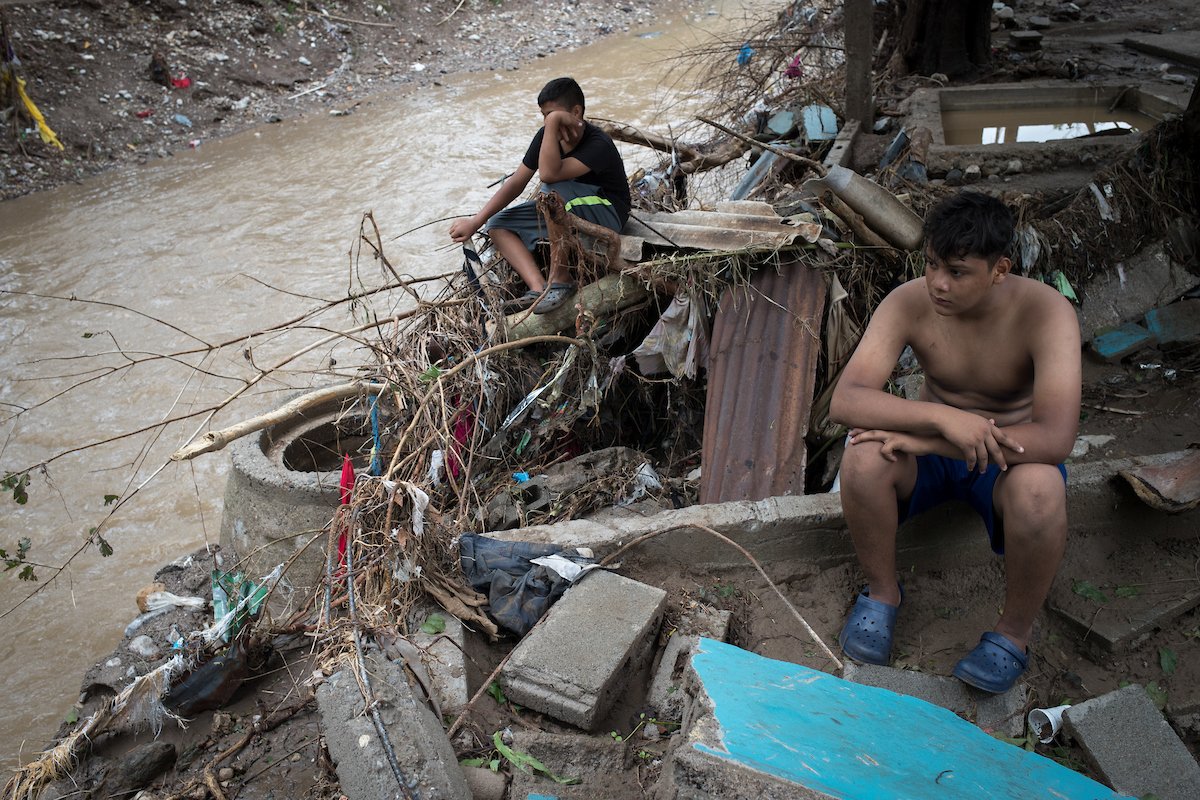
{"x":1175,"y":324}
{"x":1116,"y":343}
{"x":1025,"y":40}
{"x":762,"y":729}
{"x":422,"y":750}
{"x":598,"y":763}
{"x":994,"y":713}
{"x":1132,"y":746}
{"x":574,"y":665}
{"x":1125,"y":292}
{"x":665,"y":695}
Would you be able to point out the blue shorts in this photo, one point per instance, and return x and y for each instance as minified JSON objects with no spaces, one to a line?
{"x":941,"y":479}
{"x":581,"y":199}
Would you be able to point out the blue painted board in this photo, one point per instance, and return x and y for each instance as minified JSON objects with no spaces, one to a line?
{"x":1119,"y":342}
{"x":852,"y":741}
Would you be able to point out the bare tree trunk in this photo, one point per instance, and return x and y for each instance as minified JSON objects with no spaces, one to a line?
{"x":952,"y":37}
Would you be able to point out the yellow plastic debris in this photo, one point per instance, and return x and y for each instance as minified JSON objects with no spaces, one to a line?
{"x":44,"y":130}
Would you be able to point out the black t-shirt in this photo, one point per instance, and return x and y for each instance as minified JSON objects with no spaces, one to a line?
{"x":605,"y":168}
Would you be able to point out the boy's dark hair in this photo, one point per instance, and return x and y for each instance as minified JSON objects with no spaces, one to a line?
{"x":969,"y":224}
{"x":564,"y":91}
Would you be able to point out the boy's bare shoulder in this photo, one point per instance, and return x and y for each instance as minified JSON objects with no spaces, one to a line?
{"x":1044,"y":306}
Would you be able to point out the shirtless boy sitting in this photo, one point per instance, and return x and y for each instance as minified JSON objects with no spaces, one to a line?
{"x":579,"y":162}
{"x":997,"y":415}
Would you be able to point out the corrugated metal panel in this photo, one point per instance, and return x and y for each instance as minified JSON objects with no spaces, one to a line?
{"x":733,"y":226}
{"x":761,"y":377}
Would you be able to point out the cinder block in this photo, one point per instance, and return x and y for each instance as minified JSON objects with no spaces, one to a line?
{"x":575,"y":664}
{"x":1132,"y":746}
{"x":666,"y":695}
{"x":423,"y":752}
{"x":995,"y":713}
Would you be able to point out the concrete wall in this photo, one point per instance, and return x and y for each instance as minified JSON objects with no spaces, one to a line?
{"x":813,"y":529}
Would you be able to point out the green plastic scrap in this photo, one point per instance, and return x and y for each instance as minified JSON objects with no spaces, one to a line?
{"x":1064,"y":286}
{"x":234,"y":590}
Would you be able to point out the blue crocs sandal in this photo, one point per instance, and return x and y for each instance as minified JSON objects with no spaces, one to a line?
{"x":867,"y":634}
{"x":994,"y":665}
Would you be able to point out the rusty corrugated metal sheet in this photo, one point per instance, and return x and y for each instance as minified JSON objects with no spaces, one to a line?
{"x":733,"y":226}
{"x":761,"y":376}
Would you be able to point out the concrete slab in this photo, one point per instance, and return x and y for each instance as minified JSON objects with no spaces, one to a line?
{"x":994,"y":713}
{"x":1117,"y":591}
{"x":1175,"y":324}
{"x":1130,"y":289}
{"x":770,"y":729}
{"x":1116,"y":343}
{"x":1179,"y":46}
{"x":1132,"y":746}
{"x":574,"y":665}
{"x":665,"y":695}
{"x":420,"y":745}
{"x":599,"y":765}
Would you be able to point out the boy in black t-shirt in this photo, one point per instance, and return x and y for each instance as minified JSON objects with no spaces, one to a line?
{"x":575,"y":159}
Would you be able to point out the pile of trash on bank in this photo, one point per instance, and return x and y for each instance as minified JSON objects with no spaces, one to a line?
{"x":481,"y":421}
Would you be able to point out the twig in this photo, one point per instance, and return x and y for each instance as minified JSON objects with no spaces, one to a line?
{"x":1111,"y":410}
{"x":360,"y":21}
{"x":452,"y":13}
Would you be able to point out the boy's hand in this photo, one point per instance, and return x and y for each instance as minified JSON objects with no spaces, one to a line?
{"x":895,"y":442}
{"x":979,"y":440}
{"x":566,"y":127}
{"x":463,"y":229}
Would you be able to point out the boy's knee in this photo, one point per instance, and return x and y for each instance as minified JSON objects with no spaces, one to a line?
{"x":864,"y":464}
{"x":1035,"y":497}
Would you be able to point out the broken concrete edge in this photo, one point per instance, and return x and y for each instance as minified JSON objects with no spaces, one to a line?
{"x":1002,"y":714}
{"x":813,"y":528}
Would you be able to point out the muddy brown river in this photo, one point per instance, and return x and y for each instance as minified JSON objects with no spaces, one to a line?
{"x":220,"y":242}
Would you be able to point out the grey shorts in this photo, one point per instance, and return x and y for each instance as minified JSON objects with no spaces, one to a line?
{"x":581,"y":199}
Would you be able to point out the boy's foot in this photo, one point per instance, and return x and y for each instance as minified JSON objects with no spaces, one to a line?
{"x":555,"y":296}
{"x":867,"y":634}
{"x":521,"y":303}
{"x":994,"y":665}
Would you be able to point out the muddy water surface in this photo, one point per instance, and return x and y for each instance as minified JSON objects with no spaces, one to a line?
{"x":231,"y":238}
